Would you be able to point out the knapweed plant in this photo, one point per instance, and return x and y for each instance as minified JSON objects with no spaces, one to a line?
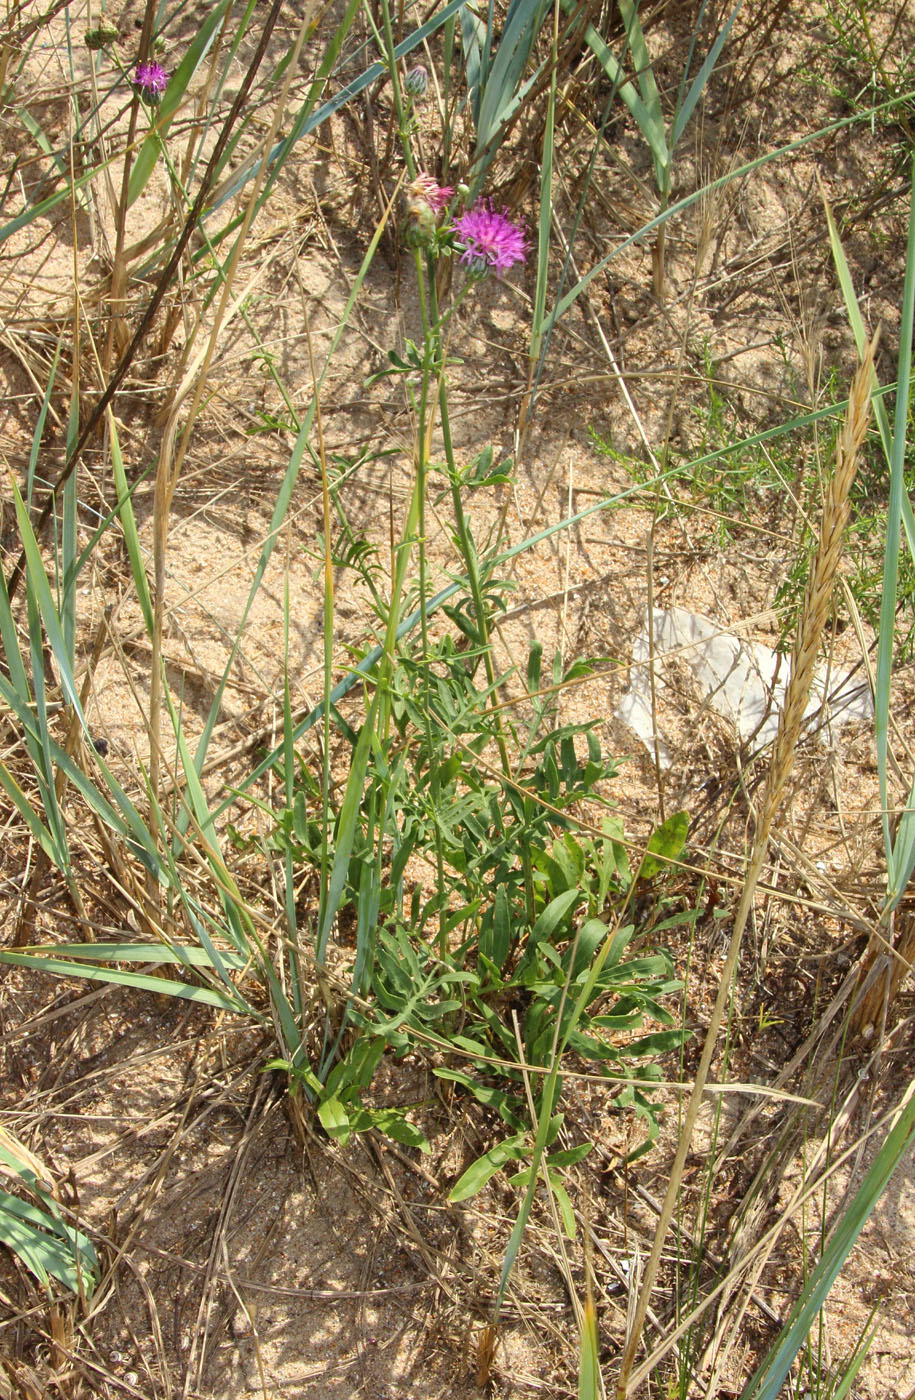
{"x":457,"y":907}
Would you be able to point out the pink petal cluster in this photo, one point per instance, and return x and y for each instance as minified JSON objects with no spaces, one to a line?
{"x":151,"y":79}
{"x":426,"y":189}
{"x":489,"y":239}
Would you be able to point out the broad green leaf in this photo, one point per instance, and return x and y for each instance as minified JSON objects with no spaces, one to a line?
{"x":665,"y":845}
{"x":394,"y":1124}
{"x":335,"y":1120}
{"x":554,"y":915}
{"x":484,"y":1168}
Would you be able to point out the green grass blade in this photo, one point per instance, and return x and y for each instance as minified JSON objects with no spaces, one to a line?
{"x":501,"y":90}
{"x":648,"y":125}
{"x":36,"y":826}
{"x":473,"y":39}
{"x":588,"y":1356}
{"x":169,"y":954}
{"x":38,"y":434}
{"x":545,"y":218}
{"x":698,"y":87}
{"x":69,"y":544}
{"x":768,"y":1379}
{"x":653,"y":128}
{"x":347,"y":826}
{"x":40,"y":590}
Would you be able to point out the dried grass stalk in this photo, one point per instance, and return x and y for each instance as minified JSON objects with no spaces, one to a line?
{"x":817,"y":605}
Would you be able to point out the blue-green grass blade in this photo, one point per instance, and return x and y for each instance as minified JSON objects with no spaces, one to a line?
{"x":69,"y":545}
{"x":333,"y":105}
{"x":672,"y":210}
{"x":38,"y":434}
{"x":46,"y":1245}
{"x":36,"y":826}
{"x":44,"y":766}
{"x":347,"y":825}
{"x":45,"y":206}
{"x":767,"y":1381}
{"x":292,"y":928}
{"x":168,"y":954}
{"x":67,"y":967}
{"x":473,"y":39}
{"x":29,"y":713}
{"x":239,"y":928}
{"x":698,"y":87}
{"x":172,"y":98}
{"x":38,"y":593}
{"x":129,"y":526}
{"x":302,"y":123}
{"x":230,"y":62}
{"x":127,"y":822}
{"x":651,"y":98}
{"x":500,"y":92}
{"x":853,"y":1364}
{"x":545,"y":218}
{"x":896,"y":878}
{"x":652,"y":131}
{"x":40,"y":589}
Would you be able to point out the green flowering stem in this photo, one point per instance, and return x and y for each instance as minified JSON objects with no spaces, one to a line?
{"x":403,"y":126}
{"x":431,"y":349}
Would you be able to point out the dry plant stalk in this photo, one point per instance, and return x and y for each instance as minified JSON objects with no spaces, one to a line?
{"x":885,"y":967}
{"x":816,"y":609}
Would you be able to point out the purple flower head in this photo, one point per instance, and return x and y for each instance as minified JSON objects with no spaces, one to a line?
{"x":424,"y":190}
{"x":150,"y":80}
{"x":489,"y":240}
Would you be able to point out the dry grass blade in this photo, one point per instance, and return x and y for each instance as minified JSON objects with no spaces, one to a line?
{"x":817,"y":603}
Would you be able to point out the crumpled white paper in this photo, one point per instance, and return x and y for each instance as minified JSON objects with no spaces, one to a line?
{"x":743,"y":681}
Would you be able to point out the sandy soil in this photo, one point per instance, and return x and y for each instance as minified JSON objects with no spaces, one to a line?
{"x":245,"y":1255}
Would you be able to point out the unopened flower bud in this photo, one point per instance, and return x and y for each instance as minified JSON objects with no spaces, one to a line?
{"x":102,"y":35}
{"x":416,"y":82}
{"x":419,"y":226}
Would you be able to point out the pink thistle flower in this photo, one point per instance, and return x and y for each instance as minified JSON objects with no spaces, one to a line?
{"x":489,"y":239}
{"x":151,"y":80}
{"x":425,"y":189}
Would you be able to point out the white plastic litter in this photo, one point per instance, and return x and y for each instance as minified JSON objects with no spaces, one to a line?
{"x":741,"y":680}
